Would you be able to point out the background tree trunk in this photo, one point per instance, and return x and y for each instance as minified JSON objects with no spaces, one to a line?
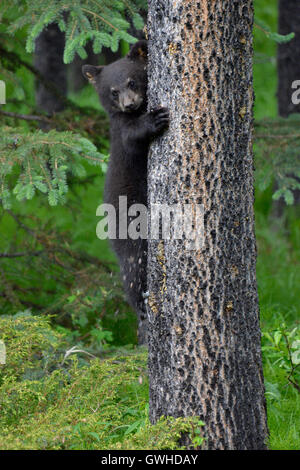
{"x":48,"y":60}
{"x":204,"y":333}
{"x":288,"y":56}
{"x":288,"y":67}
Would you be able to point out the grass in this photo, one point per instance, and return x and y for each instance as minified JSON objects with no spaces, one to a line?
{"x":283,"y":410}
{"x":278,"y":276}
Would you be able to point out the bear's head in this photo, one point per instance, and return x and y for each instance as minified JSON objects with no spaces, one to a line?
{"x":122,"y":85}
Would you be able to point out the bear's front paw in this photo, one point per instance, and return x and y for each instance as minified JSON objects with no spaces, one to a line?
{"x":160,"y":119}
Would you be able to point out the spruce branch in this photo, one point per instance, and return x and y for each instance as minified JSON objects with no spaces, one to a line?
{"x":277,"y":151}
{"x":104,"y":23}
{"x":42,"y":160}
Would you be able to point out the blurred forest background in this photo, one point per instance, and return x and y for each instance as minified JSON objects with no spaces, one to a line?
{"x":61,"y":301}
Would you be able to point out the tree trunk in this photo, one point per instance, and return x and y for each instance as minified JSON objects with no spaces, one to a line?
{"x":204,"y":333}
{"x":288,"y":56}
{"x":48,"y":60}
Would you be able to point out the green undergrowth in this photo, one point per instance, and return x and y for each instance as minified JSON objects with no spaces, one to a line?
{"x":52,"y":400}
{"x":53,"y":397}
{"x":283,"y":406}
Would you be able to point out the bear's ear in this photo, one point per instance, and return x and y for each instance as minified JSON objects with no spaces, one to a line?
{"x":139,"y":50}
{"x":90,"y":72}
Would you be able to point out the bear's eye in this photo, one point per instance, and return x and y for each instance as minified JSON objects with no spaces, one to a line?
{"x":115,"y":93}
{"x":131,"y":84}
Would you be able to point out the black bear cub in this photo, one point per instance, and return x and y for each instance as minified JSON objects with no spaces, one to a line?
{"x":122,"y":88}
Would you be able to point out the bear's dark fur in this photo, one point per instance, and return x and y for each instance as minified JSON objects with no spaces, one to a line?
{"x":122,"y":88}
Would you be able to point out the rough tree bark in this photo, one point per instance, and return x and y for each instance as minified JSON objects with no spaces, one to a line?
{"x":288,"y":56}
{"x":204,"y":333}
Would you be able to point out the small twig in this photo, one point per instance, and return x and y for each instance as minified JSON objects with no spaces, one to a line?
{"x":295,"y":385}
{"x":74,"y":350}
{"x":101,"y":18}
{"x":96,"y":409}
{"x":262,"y":29}
{"x":20,"y":224}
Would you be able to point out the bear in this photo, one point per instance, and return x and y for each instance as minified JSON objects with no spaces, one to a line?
{"x":122,"y":90}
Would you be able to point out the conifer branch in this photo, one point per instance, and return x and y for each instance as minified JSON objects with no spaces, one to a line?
{"x":43,"y":160}
{"x":104,"y":23}
{"x":26,"y":117}
{"x":277,"y":156}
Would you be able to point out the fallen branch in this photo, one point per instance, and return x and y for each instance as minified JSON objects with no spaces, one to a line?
{"x":26,"y":117}
{"x":17,"y":255}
